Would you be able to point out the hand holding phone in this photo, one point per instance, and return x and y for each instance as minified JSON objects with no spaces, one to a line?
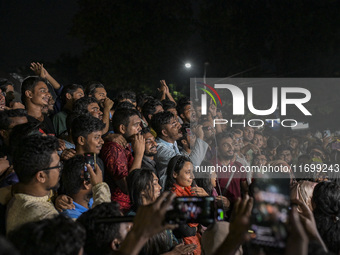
{"x":96,"y":175}
{"x":192,"y":210}
{"x":270,"y":212}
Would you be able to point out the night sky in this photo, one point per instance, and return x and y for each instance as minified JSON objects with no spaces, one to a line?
{"x":137,"y":43}
{"x":35,"y":30}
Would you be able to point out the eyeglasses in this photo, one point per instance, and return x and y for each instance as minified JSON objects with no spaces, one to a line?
{"x":207,"y":128}
{"x":59,"y":167}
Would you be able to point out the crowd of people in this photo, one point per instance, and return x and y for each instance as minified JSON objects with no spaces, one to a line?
{"x":146,"y":151}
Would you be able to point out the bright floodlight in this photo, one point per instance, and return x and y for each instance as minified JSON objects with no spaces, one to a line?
{"x":187,"y":65}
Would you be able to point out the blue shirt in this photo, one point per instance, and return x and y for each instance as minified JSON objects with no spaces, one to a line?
{"x":75,"y":213}
{"x":165,"y":151}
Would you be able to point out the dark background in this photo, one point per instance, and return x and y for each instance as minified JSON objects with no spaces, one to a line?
{"x":134,"y":44}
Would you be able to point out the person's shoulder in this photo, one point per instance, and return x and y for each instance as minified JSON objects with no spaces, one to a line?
{"x":60,"y":115}
{"x":112,"y":146}
{"x":71,"y":213}
{"x":26,"y":204}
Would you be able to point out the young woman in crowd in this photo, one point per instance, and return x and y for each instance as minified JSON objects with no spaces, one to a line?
{"x":144,"y":189}
{"x":179,"y":180}
{"x":207,"y":181}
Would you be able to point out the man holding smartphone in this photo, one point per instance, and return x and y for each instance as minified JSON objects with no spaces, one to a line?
{"x":84,"y":185}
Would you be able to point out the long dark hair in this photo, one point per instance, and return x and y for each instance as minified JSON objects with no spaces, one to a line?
{"x":203,"y":179}
{"x":140,"y":180}
{"x":326,"y":198}
{"x":175,"y":166}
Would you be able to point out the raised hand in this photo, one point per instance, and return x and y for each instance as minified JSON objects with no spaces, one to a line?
{"x":138,"y":144}
{"x":96,"y":176}
{"x":108,"y":103}
{"x":67,"y":154}
{"x":39,"y":69}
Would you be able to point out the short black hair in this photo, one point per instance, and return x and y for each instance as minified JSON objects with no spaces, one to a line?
{"x":223,"y":135}
{"x":139,"y":181}
{"x":282,"y":147}
{"x":181,"y":105}
{"x":150,"y":108}
{"x":142,"y":99}
{"x":122,"y":116}
{"x":70,"y":88}
{"x":168,"y":104}
{"x":5,"y":116}
{"x":91,"y":88}
{"x":99,"y":236}
{"x":20,"y":131}
{"x":4,"y":83}
{"x":159,"y":120}
{"x":184,"y":134}
{"x":125,"y":105}
{"x":80,"y":106}
{"x":29,"y":84}
{"x":34,"y":154}
{"x":72,"y":177}
{"x":145,"y":130}
{"x":273,"y":142}
{"x":84,"y":125}
{"x":126,"y":95}
{"x":57,"y":236}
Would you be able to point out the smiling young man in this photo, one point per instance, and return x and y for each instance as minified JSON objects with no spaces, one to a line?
{"x":148,"y":161}
{"x":37,"y":165}
{"x":119,"y":161}
{"x":86,"y":132}
{"x":35,"y":96}
{"x":90,"y":105}
{"x":98,"y":91}
{"x":168,"y":132}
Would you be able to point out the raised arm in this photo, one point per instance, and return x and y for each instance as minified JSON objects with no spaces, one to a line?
{"x":42,"y":72}
{"x":164,"y":89}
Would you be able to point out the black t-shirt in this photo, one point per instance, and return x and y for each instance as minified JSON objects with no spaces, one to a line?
{"x":47,"y":125}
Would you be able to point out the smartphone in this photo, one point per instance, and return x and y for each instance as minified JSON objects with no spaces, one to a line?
{"x":91,"y":159}
{"x":192,"y":210}
{"x":270,"y":212}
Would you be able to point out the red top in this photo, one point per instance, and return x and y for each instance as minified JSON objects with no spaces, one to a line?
{"x":180,"y":192}
{"x":118,"y":160}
